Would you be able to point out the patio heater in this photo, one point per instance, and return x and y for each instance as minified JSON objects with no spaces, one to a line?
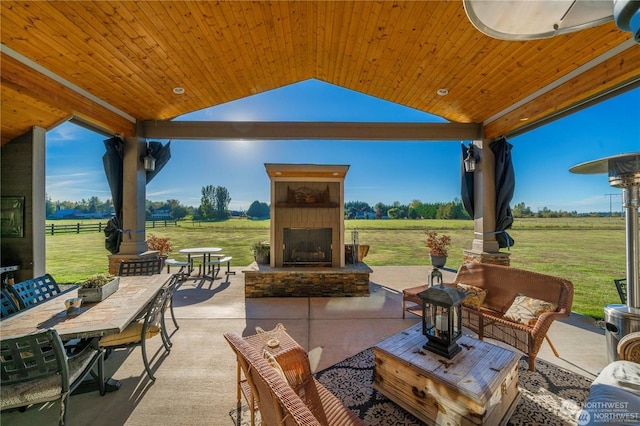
{"x":624,"y":173}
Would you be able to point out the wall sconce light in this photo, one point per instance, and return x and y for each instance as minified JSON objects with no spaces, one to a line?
{"x":470,"y":160}
{"x":149,"y":161}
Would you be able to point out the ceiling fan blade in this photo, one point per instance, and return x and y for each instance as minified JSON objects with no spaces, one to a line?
{"x":534,"y":19}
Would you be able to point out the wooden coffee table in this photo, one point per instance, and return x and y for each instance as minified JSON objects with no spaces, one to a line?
{"x":477,"y":386}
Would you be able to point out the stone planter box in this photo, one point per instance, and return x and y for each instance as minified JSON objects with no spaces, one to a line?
{"x":91,"y":295}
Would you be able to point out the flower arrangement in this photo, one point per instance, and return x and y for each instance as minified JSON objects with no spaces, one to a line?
{"x":159,"y":244}
{"x":96,"y":281}
{"x":438,"y":244}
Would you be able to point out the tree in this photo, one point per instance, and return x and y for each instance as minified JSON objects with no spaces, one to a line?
{"x":222,"y":200}
{"x":50,"y":208}
{"x":207,"y":202}
{"x":394,"y":213}
{"x":258,"y":210}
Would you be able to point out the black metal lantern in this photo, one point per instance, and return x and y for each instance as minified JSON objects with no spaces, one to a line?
{"x":442,"y":319}
{"x":435,"y":277}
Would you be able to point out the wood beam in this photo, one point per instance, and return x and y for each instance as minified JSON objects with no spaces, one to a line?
{"x":256,"y":130}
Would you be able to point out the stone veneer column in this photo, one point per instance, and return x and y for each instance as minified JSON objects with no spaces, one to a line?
{"x":133,"y":199}
{"x":485,"y":247}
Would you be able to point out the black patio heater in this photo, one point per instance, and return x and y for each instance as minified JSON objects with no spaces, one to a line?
{"x":624,"y":173}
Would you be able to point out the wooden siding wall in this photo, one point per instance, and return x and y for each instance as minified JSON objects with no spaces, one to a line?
{"x":23,"y":175}
{"x":307,"y":217}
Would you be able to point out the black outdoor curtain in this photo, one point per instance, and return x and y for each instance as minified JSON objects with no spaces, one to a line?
{"x":466,"y":187}
{"x":113,"y":168}
{"x":505,"y":186}
{"x":112,"y":162}
{"x":162,"y":154}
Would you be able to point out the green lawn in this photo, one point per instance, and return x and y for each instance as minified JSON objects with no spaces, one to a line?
{"x":590,"y":252}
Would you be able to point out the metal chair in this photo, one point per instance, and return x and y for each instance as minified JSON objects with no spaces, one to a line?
{"x":621,"y":286}
{"x":140,"y":267}
{"x":171,"y":286}
{"x":35,"y":368}
{"x":137,"y":333}
{"x":7,"y":304}
{"x":37,"y":290}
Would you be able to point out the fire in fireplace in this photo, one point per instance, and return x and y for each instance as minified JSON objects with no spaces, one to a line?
{"x":307,"y":247}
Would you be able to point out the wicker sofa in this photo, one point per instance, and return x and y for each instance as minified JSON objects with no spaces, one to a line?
{"x":289,"y":394}
{"x":503,"y":284}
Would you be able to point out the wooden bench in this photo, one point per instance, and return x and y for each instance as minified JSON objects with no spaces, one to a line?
{"x":503,"y":284}
{"x":290,"y":397}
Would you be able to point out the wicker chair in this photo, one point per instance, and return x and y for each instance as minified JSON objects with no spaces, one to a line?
{"x":293,"y":397}
{"x":137,"y":333}
{"x":35,"y":368}
{"x":629,"y":347}
{"x":37,"y":290}
{"x":7,"y":304}
{"x":503,"y":283}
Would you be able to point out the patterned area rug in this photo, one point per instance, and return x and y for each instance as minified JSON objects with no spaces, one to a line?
{"x":550,"y":395}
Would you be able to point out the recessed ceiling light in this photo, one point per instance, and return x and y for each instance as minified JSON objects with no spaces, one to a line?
{"x":336,"y":173}
{"x":524,"y":118}
{"x":178,"y":90}
{"x":278,"y":173}
{"x":442,"y":92}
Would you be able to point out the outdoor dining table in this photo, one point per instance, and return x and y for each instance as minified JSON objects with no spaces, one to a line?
{"x":91,"y":320}
{"x":197,"y":251}
{"x":111,"y":316}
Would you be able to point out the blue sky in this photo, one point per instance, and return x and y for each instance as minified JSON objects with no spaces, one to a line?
{"x":379,"y":171}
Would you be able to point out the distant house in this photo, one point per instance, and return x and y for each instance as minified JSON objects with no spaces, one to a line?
{"x":63,"y":214}
{"x":163,"y":213}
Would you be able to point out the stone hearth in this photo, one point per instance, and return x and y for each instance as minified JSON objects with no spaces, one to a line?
{"x":267,"y":281}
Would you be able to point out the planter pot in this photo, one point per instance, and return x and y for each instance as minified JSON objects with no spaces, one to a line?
{"x":263,"y":259}
{"x":90,"y":295}
{"x":438,"y":261}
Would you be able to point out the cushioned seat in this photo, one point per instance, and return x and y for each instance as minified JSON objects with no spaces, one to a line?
{"x":35,"y":368}
{"x":137,"y":333}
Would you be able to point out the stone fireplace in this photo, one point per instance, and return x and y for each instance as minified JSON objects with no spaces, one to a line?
{"x":307,"y":208}
{"x":307,"y":236}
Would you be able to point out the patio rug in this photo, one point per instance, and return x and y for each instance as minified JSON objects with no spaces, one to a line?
{"x":549,"y":396}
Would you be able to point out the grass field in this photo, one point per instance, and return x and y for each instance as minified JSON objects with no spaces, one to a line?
{"x":590,"y":252}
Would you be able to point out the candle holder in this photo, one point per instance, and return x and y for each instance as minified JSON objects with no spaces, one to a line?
{"x":442,"y":319}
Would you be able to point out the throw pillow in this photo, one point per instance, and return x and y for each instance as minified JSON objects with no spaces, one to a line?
{"x":526,"y":310}
{"x":474,"y":295}
{"x":273,"y":362}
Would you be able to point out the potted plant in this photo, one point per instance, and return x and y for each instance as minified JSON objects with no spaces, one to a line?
{"x":438,"y":245}
{"x":98,"y":287}
{"x":262,"y":252}
{"x":159,"y":244}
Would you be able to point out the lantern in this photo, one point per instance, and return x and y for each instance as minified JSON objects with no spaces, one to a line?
{"x":435,"y":277}
{"x":442,"y":319}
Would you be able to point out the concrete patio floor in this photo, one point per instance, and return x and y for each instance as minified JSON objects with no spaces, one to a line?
{"x":196,"y":381}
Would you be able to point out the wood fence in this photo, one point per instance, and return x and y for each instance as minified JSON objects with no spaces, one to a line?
{"x":52,"y":228}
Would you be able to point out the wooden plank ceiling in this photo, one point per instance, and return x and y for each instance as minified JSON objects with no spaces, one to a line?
{"x":112,"y":63}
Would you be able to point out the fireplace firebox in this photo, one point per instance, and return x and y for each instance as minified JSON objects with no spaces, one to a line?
{"x":307,"y":247}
